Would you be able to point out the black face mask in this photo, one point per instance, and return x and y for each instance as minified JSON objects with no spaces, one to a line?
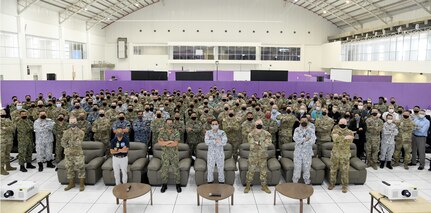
{"x":159,"y":115}
{"x":3,"y":116}
{"x":206,"y":111}
{"x":406,"y":116}
{"x":151,"y":109}
{"x":121,"y":118}
{"x":24,"y":117}
{"x":94,"y":109}
{"x":205,"y":103}
{"x":120,"y":105}
{"x":304,"y":124}
{"x":105,"y":104}
{"x":226,"y":109}
{"x":60,"y":119}
{"x":299,"y":102}
{"x":374,"y":114}
{"x":101,"y":115}
{"x":113,"y":107}
{"x":90,"y":103}
{"x":400,"y":111}
{"x":392,"y":102}
{"x":135,"y":101}
{"x":323,"y":113}
{"x":230,"y":115}
{"x":40,"y":106}
{"x":342,"y":126}
{"x":368,"y":108}
{"x":253,"y":105}
{"x":288,"y":111}
{"x":347,"y":116}
{"x":33,"y":106}
{"x":193,"y":118}
{"x":191,"y":106}
{"x":177,"y":118}
{"x":315,"y":99}
{"x":77,"y":107}
{"x":49,"y":105}
{"x":249,"y":119}
{"x":259,"y":126}
{"x":258,"y":109}
{"x":130,"y":110}
{"x":416,"y":111}
{"x":271,"y":103}
{"x":243,"y":108}
{"x":237,"y":104}
{"x":147,"y":109}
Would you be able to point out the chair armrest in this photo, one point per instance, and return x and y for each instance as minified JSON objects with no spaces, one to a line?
{"x":317,"y":164}
{"x":200,"y":165}
{"x":274,"y":164}
{"x":357,"y":163}
{"x":287,"y":164}
{"x":326,"y":161}
{"x":108,"y":164}
{"x":185,"y":164}
{"x":229,"y":165}
{"x":243,"y":164}
{"x":95,"y":163}
{"x":155,"y":164}
{"x":61,"y":165}
{"x":139,"y":164}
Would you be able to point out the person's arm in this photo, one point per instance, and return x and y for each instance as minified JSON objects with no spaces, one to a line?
{"x":65,"y":139}
{"x":223,"y":139}
{"x":297,"y":137}
{"x":312,"y":139}
{"x":36,"y":126}
{"x":125,"y":148}
{"x":208,"y":141}
{"x":386,"y":129}
{"x":114,"y":149}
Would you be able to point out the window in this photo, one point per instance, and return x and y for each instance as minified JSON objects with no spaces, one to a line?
{"x":75,"y":50}
{"x":38,"y":47}
{"x":280,"y":54}
{"x":415,"y":46}
{"x":236,"y":53}
{"x":193,"y":53}
{"x":9,"y":45}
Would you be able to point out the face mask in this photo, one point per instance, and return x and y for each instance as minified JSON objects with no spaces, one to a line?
{"x":214,"y":127}
{"x":73,"y":125}
{"x":406,"y":116}
{"x":304,"y":124}
{"x":101,"y":115}
{"x":58,"y":105}
{"x":81,"y":118}
{"x":33,"y":106}
{"x":391,"y":110}
{"x":231,"y":115}
{"x":158,"y":115}
{"x":268,"y":116}
{"x":288,"y":111}
{"x":77,"y":107}
{"x":374,"y":114}
{"x":40,"y":106}
{"x":360,"y":107}
{"x":357,"y":118}
{"x":19,"y":107}
{"x":105,"y":104}
{"x":27,"y":99}
{"x":258,"y":109}
{"x":3,"y":116}
{"x":130,"y":110}
{"x":43,"y":117}
{"x":323,"y":113}
{"x":121,"y":118}
{"x":206,"y":111}
{"x":226,"y":109}
{"x":243,"y":108}
{"x":24,"y":117}
{"x":416,"y":111}
{"x":253,"y":105}
{"x":177,"y":118}
{"x":389,"y":121}
{"x":94,"y":109}
{"x":161,"y":108}
{"x":113,"y":106}
{"x":392,"y":102}
{"x":421,"y":116}
{"x":193,"y":118}
{"x":271,"y":103}
{"x":60,"y":119}
{"x":318,"y":108}
{"x":347,"y":116}
{"x":120,"y":134}
{"x":342,"y":126}
{"x":273,"y":111}
{"x":259,"y":126}
{"x":301,"y":111}
{"x":119,"y":105}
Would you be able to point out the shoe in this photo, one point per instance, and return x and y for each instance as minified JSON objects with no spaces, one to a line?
{"x":406,"y":167}
{"x":429,"y":169}
{"x":344,"y":189}
{"x":30,"y":166}
{"x":374,"y":166}
{"x":220,"y":182}
{"x":40,"y":164}
{"x":412,"y":164}
{"x":420,"y":168}
{"x":81,"y":184}
{"x":3,"y":170}
{"x":49,"y":164}
{"x":247,"y":188}
{"x":71,"y":185}
{"x":9,"y":168}
{"x":164,"y":187}
{"x":22,"y":168}
{"x":382,"y":164}
{"x":56,"y":168}
{"x":179,"y":188}
{"x":396,"y":164}
{"x":389,"y":165}
{"x":265,"y":189}
{"x":211,"y":182}
{"x":331,"y":187}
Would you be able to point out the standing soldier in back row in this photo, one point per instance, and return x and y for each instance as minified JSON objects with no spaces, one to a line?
{"x":372,"y":147}
{"x":324,"y":126}
{"x":59,"y":127}
{"x":24,"y":127}
{"x":6,"y":140}
{"x":102,"y":131}
{"x":287,"y":121}
{"x":74,"y":155}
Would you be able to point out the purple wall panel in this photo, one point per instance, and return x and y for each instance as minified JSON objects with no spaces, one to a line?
{"x":122,"y":75}
{"x":371,"y":78}
{"x":407,"y":94}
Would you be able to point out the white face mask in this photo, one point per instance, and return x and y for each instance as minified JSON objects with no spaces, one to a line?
{"x":389,"y":121}
{"x":301,"y":111}
{"x":318,"y":108}
{"x":391,"y":110}
{"x":161,"y":108}
{"x":214,"y":127}
{"x":18,"y":107}
{"x":58,"y":105}
{"x":360,"y":107}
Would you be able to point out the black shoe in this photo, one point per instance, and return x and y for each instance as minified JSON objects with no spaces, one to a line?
{"x":389,"y":165}
{"x":429,"y":169}
{"x":56,"y":168}
{"x":382,"y":164}
{"x":164,"y":187}
{"x":221,"y":183}
{"x":178,"y":188}
{"x":421,"y":168}
{"x":210,"y":182}
{"x":412,"y":164}
{"x":22,"y":168}
{"x":30,"y":166}
{"x":40,"y":164}
{"x":49,"y":164}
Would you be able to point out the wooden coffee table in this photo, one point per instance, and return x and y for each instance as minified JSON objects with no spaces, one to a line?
{"x":136,"y":190}
{"x":295,"y":191}
{"x":208,"y":191}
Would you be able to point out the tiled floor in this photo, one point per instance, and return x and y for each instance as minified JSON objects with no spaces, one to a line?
{"x":99,"y":198}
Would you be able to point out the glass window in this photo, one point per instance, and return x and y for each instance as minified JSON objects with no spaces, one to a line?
{"x":280,"y":54}
{"x":38,"y":47}
{"x":237,"y":53}
{"x":74,"y":50}
{"x":9,"y":45}
{"x":193,"y":53}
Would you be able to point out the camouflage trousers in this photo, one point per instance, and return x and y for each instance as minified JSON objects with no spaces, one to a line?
{"x":235,"y":140}
{"x":25,"y":151}
{"x":106,"y":140}
{"x":302,"y":163}
{"x":372,"y":148}
{"x":407,"y":146}
{"x":193,"y":139}
{"x":74,"y":163}
{"x":386,"y":151}
{"x":319,"y":146}
{"x":343,"y":165}
{"x":5,"y":149}
{"x":259,"y":162}
{"x":59,"y":151}
{"x":44,"y":151}
{"x":170,"y":159}
{"x":285,"y":136}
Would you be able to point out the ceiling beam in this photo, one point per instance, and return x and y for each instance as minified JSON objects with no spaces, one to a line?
{"x":315,"y":4}
{"x":24,"y":5}
{"x":74,"y":9}
{"x":369,"y":11}
{"x":422,"y":6}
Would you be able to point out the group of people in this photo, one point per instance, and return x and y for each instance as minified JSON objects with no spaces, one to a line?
{"x":217,"y":117}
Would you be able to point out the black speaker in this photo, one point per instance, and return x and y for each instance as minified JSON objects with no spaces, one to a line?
{"x":320,"y":78}
{"x":51,"y":76}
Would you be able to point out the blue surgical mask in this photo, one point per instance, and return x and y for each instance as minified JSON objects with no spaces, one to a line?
{"x":58,"y":105}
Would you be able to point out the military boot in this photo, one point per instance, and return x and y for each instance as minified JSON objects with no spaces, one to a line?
{"x":247,"y":188}
{"x":389,"y":164}
{"x":396,"y":163}
{"x":30,"y":166}
{"x":406,"y":166}
{"x":344,"y":189}
{"x":382,"y":164}
{"x":164,"y":187}
{"x":81,"y":184}
{"x":374,"y":165}
{"x":49,"y":164}
{"x":265,"y":189}
{"x":40,"y":164}
{"x":71,"y":185}
{"x":331,"y":186}
{"x":9,"y":167}
{"x":3,"y":170}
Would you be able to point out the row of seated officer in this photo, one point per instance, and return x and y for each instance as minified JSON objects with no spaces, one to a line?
{"x":140,"y":168}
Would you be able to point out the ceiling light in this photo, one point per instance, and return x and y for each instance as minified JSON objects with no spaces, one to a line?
{"x":324,"y":11}
{"x":136,"y":4}
{"x":295,"y":1}
{"x":347,"y":1}
{"x":85,"y":9}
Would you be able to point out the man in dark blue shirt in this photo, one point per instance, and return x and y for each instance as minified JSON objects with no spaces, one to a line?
{"x":119,"y":150}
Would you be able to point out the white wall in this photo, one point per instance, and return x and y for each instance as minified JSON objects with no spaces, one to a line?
{"x":221,"y":15}
{"x":43,"y":22}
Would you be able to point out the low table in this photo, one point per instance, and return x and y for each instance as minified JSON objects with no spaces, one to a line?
{"x":420,"y":205}
{"x":207,"y":191}
{"x":28,"y":205}
{"x":296,"y":191}
{"x":135,"y":190}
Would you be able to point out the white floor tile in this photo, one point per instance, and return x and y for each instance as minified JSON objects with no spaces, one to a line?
{"x":242,"y":198}
{"x":307,"y":208}
{"x":56,"y":207}
{"x":221,"y":208}
{"x":76,"y":207}
{"x":167,"y":198}
{"x":106,"y":198}
{"x":324,"y":208}
{"x":264,"y":198}
{"x":62,"y":196}
{"x":87,"y":197}
{"x":97,"y":208}
{"x":187,"y":208}
{"x":271,"y":208}
{"x":353,"y":207}
{"x":341,"y":197}
{"x":151,"y":209}
{"x":187,"y":198}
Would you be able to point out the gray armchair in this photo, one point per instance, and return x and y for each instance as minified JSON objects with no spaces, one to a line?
{"x":93,"y":152}
{"x":138,"y":161}
{"x":317,"y":171}
{"x":357,"y":170}
{"x":155,"y":166}
{"x":201,"y":169}
{"x":273,"y":166}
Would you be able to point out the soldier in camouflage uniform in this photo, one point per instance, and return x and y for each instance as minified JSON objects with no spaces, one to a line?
{"x":194,"y":133}
{"x":247,"y":126}
{"x":323,"y":129}
{"x":74,"y":155}
{"x":304,"y":138}
{"x":232,"y":128}
{"x":180,"y":126}
{"x":77,"y":110}
{"x":404,"y":140}
{"x":59,"y":127}
{"x":7,"y":130}
{"x":168,"y":139}
{"x":340,"y":155}
{"x":142,"y":129}
{"x":270,"y":125}
{"x":24,"y":128}
{"x":374,"y":127}
{"x":259,"y":139}
{"x":43,"y":127}
{"x":60,"y":110}
{"x":131,"y":115}
{"x":287,"y":121}
{"x":102,"y":130}
{"x":93,"y":115}
{"x":156,"y":126}
{"x":85,"y":126}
